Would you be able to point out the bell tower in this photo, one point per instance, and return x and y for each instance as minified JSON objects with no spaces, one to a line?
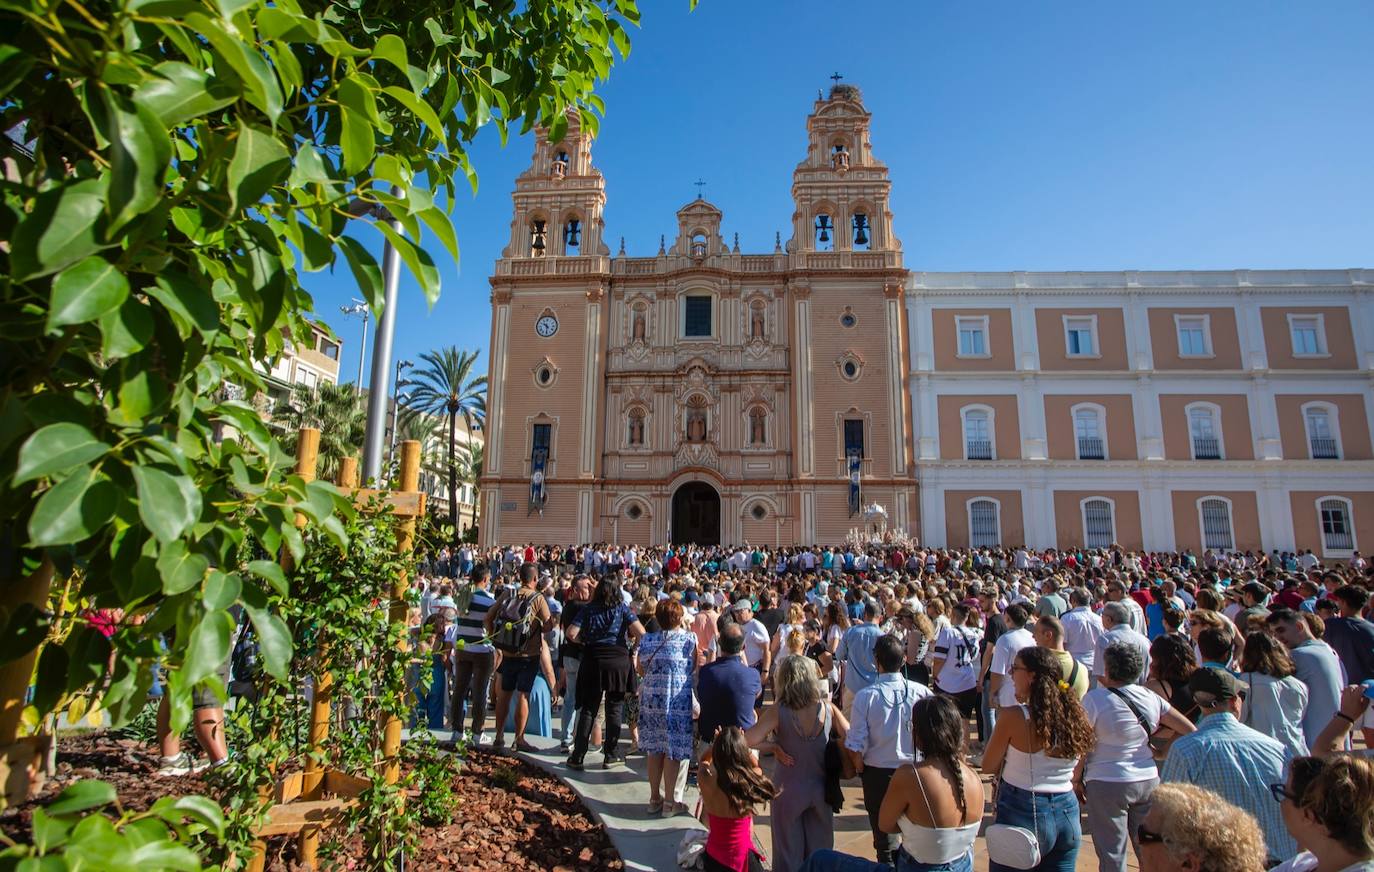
{"x":559,"y":200}
{"x":841,"y":190}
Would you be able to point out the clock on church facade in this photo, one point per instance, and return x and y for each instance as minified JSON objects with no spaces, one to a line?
{"x":701,"y":394}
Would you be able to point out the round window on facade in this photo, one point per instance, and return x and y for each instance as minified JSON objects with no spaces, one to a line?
{"x":759,"y":512}
{"x":851,"y":369}
{"x":545,"y":375}
{"x":848,"y":320}
{"x":634,"y":512}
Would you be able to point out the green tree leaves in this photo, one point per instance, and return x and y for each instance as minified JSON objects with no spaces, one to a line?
{"x":168,"y":504}
{"x":55,"y":449}
{"x":86,"y":291}
{"x":260,"y":162}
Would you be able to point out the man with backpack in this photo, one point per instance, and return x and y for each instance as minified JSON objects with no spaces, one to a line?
{"x":517,"y":623}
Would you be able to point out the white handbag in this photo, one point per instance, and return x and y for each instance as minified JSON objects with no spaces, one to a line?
{"x":1016,"y":847}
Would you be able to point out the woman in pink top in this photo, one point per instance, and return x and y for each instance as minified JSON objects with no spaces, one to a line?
{"x":732,"y":785}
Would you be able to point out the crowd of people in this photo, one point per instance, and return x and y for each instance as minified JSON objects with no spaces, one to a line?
{"x":1200,"y":711}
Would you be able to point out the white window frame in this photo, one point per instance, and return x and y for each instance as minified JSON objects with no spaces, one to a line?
{"x":1092,"y":329}
{"x":1214,"y":411}
{"x":1083,"y":518}
{"x":1100,"y":412}
{"x":1350,"y":519}
{"x":1194,"y":322}
{"x":968,"y":515}
{"x":991,"y":414}
{"x":1230,"y":522}
{"x":972,"y":322}
{"x":1319,"y":320}
{"x":682,"y":315}
{"x":1333,"y":417}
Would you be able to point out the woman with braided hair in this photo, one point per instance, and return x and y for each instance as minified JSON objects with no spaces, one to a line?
{"x":1035,"y":747}
{"x":935,"y":803}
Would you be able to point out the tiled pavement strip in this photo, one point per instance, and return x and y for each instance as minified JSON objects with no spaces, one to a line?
{"x":619,"y":798}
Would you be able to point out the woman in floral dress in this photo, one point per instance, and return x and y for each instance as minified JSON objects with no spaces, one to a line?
{"x":666,"y":659}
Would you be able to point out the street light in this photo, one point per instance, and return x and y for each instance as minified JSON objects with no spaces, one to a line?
{"x":377,"y":394}
{"x":401,"y":365}
{"x":358,"y":308}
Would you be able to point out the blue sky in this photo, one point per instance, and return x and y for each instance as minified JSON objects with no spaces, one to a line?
{"x":1029,"y":136}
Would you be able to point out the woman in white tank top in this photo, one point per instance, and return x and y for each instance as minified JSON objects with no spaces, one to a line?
{"x":1035,"y":748}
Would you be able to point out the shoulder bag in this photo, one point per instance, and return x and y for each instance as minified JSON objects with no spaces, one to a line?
{"x":1135,"y":710}
{"x":1014,"y":846}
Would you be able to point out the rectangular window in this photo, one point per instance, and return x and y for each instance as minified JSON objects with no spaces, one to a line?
{"x":542,"y":435}
{"x":854,"y":437}
{"x":1216,"y":525}
{"x":984,"y":530}
{"x":1336,"y":530}
{"x":1321,"y":438}
{"x":697,"y":317}
{"x":1080,"y":336}
{"x":973,"y":336}
{"x":1194,"y":336}
{"x":1309,"y":335}
{"x":1098,"y":527}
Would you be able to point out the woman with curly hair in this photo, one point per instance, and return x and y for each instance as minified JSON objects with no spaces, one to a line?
{"x":1035,"y":748}
{"x":1195,"y":829}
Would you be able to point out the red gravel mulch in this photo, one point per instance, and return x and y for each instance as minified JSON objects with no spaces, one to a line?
{"x":511,"y":815}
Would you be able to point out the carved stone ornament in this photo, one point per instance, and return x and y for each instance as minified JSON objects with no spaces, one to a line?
{"x":696,"y":454}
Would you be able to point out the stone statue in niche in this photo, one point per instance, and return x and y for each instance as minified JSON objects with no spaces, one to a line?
{"x":637,"y":326}
{"x":756,"y":427}
{"x":636,"y":429}
{"x":756,"y":322}
{"x":696,"y":425}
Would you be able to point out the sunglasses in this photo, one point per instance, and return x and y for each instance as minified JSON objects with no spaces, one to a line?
{"x":1146,"y":837}
{"x":1280,"y":792}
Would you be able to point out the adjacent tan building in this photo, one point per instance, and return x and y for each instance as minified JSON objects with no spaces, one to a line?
{"x":1161,"y":410}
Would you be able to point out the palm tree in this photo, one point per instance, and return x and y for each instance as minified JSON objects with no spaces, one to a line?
{"x":339,"y":414}
{"x":445,"y":385}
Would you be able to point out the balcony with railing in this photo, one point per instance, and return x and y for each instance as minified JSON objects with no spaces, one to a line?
{"x":1091,"y":448}
{"x":1324,"y":448}
{"x":1206,"y":448}
{"x":978,"y":449}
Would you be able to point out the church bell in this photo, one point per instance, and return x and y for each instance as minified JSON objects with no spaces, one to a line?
{"x":860,"y":229}
{"x":823,"y":225}
{"x":538,"y":242}
{"x":572,"y":234}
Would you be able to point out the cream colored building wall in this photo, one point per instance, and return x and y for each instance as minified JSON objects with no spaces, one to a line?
{"x":1252,"y":377}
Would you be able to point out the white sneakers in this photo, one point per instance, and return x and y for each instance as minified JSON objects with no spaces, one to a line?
{"x":181,"y":764}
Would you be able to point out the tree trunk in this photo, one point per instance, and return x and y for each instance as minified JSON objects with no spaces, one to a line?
{"x":453,"y":477}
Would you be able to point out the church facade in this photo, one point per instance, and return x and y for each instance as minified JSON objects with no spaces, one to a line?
{"x":702,"y":394}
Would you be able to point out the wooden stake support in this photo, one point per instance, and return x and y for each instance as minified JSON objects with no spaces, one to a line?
{"x":306,"y":802}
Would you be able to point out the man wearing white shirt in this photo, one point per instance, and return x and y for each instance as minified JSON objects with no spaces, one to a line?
{"x":1082,"y":628}
{"x":757,"y":644}
{"x":1004,"y":654}
{"x":1115,"y":620}
{"x":879,"y":740}
{"x":1117,"y":592}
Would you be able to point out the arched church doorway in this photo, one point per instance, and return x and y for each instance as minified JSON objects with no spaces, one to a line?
{"x":696,"y":514}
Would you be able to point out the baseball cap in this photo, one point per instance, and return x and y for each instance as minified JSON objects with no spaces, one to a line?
{"x":1211,"y":685}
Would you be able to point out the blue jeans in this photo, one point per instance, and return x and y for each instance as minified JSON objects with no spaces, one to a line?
{"x":432,"y":703}
{"x":834,"y":861}
{"x":1054,"y":820}
{"x":570,"y":669}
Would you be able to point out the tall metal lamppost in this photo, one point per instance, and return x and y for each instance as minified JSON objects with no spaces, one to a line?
{"x":378,"y":392}
{"x":359,"y":309}
{"x":401,"y":366}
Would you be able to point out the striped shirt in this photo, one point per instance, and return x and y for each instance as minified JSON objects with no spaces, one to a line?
{"x":469,"y":627}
